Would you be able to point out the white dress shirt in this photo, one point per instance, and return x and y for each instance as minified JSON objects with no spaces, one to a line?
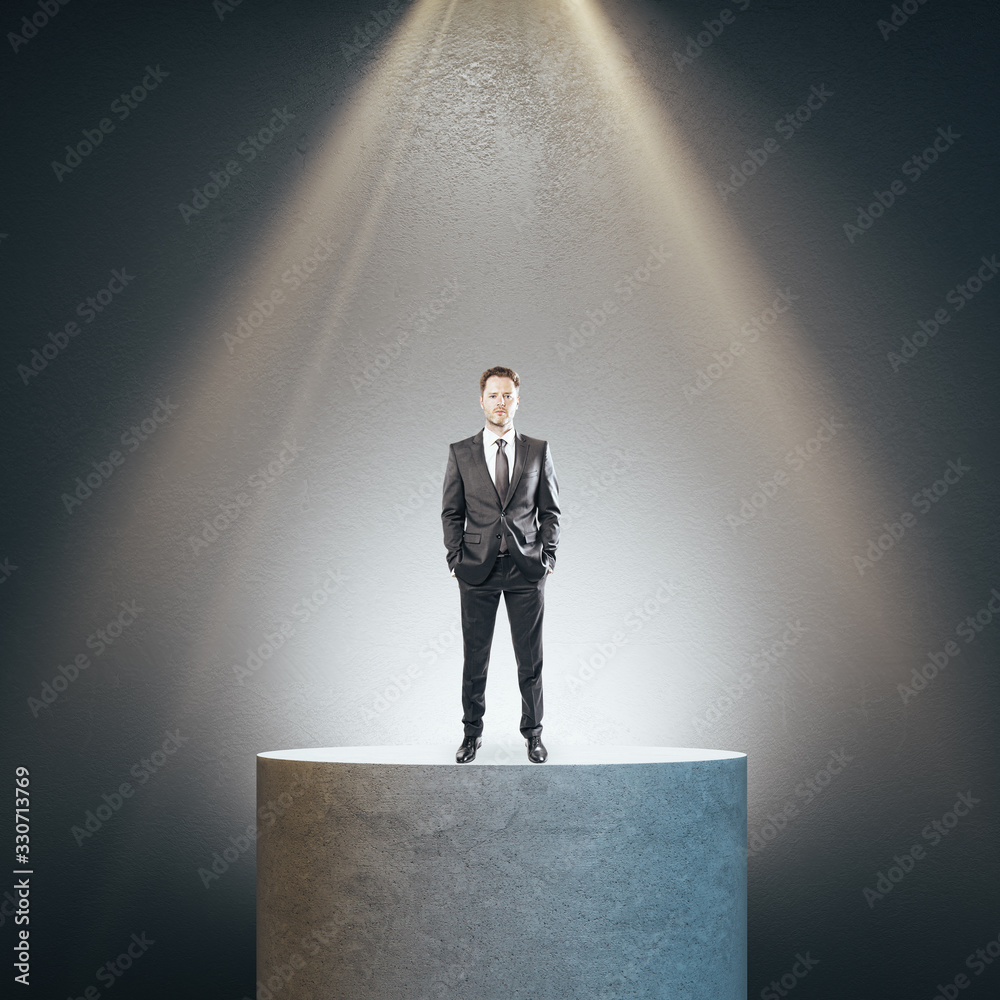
{"x":491,"y":450}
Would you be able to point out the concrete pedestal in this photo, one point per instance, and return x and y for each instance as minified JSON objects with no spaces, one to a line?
{"x":393,"y":873}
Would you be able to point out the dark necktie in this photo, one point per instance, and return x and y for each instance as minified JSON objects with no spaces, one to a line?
{"x":502,"y":481}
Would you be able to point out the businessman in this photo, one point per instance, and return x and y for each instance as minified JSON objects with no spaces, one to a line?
{"x":500,"y":512}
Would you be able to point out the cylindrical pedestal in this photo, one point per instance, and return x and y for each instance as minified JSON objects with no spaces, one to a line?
{"x":393,"y":873}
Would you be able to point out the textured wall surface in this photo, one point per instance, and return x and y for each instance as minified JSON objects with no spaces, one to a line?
{"x":743,"y":258}
{"x":413,"y":879}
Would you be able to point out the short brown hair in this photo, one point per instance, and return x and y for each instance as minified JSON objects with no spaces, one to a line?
{"x":498,"y":372}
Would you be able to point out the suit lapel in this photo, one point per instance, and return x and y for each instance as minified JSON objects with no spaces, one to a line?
{"x":520,"y":455}
{"x":479,"y":464}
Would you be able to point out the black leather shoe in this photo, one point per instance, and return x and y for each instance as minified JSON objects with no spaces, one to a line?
{"x":467,"y":751}
{"x":537,"y":753}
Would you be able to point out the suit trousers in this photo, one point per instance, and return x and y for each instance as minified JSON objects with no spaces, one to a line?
{"x":525,"y":601}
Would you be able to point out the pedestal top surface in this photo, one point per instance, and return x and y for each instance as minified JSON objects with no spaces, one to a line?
{"x":502,"y":754}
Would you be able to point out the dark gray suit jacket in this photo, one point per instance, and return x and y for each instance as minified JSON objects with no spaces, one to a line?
{"x":474,"y":514}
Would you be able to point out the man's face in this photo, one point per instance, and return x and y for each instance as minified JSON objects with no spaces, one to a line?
{"x":499,"y":402}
